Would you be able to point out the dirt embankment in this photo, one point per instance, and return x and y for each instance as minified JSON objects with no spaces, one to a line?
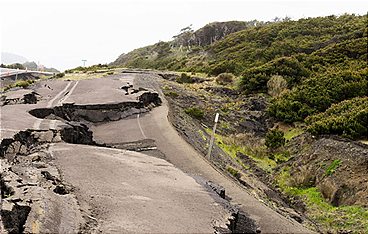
{"x":337,"y":166}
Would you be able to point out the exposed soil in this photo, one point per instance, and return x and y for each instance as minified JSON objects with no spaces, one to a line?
{"x":344,"y":184}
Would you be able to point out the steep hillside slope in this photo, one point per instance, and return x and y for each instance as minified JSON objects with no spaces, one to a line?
{"x":186,"y":43}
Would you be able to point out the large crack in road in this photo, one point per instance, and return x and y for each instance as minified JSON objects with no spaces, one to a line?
{"x":35,"y":196}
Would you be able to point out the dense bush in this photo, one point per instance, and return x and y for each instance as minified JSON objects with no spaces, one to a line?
{"x":275,"y":139}
{"x":317,"y":94}
{"x":195,"y":112}
{"x":222,"y":67}
{"x":255,"y":79}
{"x":348,"y":118}
{"x":276,"y":85}
{"x":60,"y":75}
{"x":184,"y":78}
{"x":259,"y":44}
{"x":20,"y":83}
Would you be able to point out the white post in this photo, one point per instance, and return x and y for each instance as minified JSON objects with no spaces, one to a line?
{"x":213,"y":136}
{"x":16,"y":74}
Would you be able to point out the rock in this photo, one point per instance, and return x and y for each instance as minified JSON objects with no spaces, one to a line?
{"x":169,"y":76}
{"x":149,"y":97}
{"x":43,"y":136}
{"x":47,"y":175}
{"x":14,"y":217}
{"x":216,"y":188}
{"x":57,"y":138}
{"x":60,"y":189}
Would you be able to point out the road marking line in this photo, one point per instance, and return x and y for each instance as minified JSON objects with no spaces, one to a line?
{"x":69,"y":93}
{"x":49,"y":104}
{"x":140,"y":127}
{"x":52,"y":124}
{"x":8,"y":130}
{"x":37,"y":124}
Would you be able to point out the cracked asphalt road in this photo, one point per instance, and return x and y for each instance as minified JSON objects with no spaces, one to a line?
{"x":127,"y":191}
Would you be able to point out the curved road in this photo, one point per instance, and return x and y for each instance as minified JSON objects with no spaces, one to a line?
{"x":155,"y":125}
{"x":118,"y":184}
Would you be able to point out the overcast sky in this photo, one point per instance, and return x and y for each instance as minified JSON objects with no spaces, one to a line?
{"x":62,"y":33}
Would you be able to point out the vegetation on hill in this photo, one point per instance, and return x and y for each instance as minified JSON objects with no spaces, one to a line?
{"x":93,"y":68}
{"x":314,"y":62}
{"x":348,"y":118}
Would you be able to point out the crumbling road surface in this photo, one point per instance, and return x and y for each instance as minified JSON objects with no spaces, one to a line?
{"x":100,"y":156}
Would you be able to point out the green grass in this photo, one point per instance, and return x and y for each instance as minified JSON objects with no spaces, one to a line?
{"x":332,"y":167}
{"x":201,"y":133}
{"x":332,"y":219}
{"x":233,"y":172}
{"x":258,"y":154}
{"x":293,"y":132}
{"x":171,"y":94}
{"x":19,"y":83}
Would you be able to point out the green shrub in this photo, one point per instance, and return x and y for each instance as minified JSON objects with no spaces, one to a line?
{"x":225,"y":78}
{"x":255,"y":79}
{"x":276,"y":85}
{"x":23,"y":83}
{"x":332,"y":167}
{"x":233,"y":172}
{"x":222,"y":67}
{"x":348,"y":118}
{"x":195,"y":112}
{"x":171,"y":94}
{"x":184,"y":78}
{"x":318,"y":93}
{"x":60,"y":75}
{"x":275,"y":139}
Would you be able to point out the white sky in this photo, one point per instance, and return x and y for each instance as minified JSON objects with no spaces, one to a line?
{"x":62,"y":33}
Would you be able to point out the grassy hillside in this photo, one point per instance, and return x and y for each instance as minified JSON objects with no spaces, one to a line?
{"x":307,"y":65}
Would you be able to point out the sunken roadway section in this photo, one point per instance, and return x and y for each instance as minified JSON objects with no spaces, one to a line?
{"x":56,"y":178}
{"x":101,"y":156}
